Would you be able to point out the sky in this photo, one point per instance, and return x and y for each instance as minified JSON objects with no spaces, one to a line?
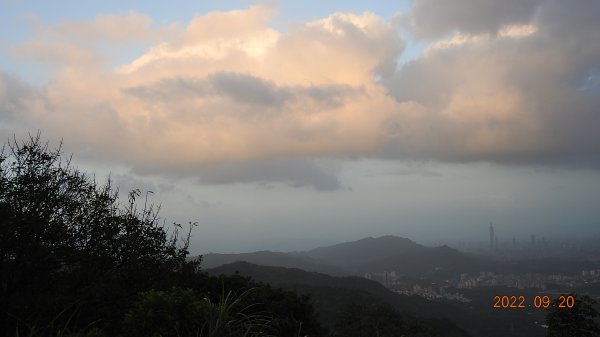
{"x":287,"y":125}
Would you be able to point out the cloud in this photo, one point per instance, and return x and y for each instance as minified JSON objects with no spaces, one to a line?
{"x":16,"y":98}
{"x":227,"y":98}
{"x":59,"y":53}
{"x":111,"y":29}
{"x":13,"y":93}
{"x":433,"y":19}
{"x":512,"y":97}
{"x":296,"y":172}
{"x":242,"y":89}
{"x":84,"y":43}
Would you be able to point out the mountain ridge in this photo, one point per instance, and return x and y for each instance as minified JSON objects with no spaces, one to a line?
{"x":273,"y":259}
{"x":393,"y":253}
{"x":384,"y":253}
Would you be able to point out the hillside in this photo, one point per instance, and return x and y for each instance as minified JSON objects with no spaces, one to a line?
{"x":392,"y":253}
{"x":330,"y":295}
{"x":386,"y":253}
{"x":268,"y":258}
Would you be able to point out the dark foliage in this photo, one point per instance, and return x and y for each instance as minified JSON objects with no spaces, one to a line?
{"x":68,"y":249}
{"x":579,"y":321}
{"x":74,"y":258}
{"x":256,"y":311}
{"x":167,"y":313}
{"x":293,"y":315}
{"x":275,"y":259}
{"x":180,"y":312}
{"x":399,"y":254}
{"x":331,"y":295}
{"x":377,"y":320}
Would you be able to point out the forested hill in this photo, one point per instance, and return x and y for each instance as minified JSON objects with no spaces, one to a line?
{"x":393,"y":253}
{"x":386,"y":253}
{"x":268,"y":258}
{"x":332,"y":295}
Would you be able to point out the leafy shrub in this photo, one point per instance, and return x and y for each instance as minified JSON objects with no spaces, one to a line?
{"x":75,"y":261}
{"x":179,"y":312}
{"x":378,"y":319}
{"x":579,"y":321}
{"x":69,"y":250}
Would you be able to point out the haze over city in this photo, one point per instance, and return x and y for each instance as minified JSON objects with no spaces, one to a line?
{"x":292,"y":125}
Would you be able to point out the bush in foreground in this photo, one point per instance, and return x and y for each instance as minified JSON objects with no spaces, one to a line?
{"x":579,"y":321}
{"x":75,"y":261}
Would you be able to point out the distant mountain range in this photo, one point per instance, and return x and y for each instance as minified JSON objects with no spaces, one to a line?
{"x":386,"y":253}
{"x":325,"y":274}
{"x":392,"y":253}
{"x":276,"y":259}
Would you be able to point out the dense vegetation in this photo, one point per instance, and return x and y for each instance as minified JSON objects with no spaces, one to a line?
{"x":74,"y":259}
{"x":333,"y":297}
{"x":579,"y":321}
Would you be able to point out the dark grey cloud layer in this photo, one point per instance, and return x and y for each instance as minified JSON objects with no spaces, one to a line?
{"x":522,"y":99}
{"x":243,"y":89}
{"x":432,"y":18}
{"x":296,"y":172}
{"x":13,"y":95}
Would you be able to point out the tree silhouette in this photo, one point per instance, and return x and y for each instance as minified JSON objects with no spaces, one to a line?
{"x":578,"y":321}
{"x":73,"y":258}
{"x":180,"y":312}
{"x":378,"y":319}
{"x":69,"y":250}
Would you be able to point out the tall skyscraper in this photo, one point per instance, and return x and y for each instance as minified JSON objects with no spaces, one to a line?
{"x":387,"y":280}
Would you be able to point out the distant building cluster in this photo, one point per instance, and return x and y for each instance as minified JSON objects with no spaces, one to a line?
{"x":531,"y":246}
{"x":512,"y":245}
{"x":509,"y":250}
{"x":488,"y":279}
{"x":593,"y":273}
{"x":527,"y":280}
{"x":433,"y":291}
{"x":430,"y":292}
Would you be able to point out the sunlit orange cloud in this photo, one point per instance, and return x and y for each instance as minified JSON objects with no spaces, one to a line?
{"x":227,"y":87}
{"x":230,"y":88}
